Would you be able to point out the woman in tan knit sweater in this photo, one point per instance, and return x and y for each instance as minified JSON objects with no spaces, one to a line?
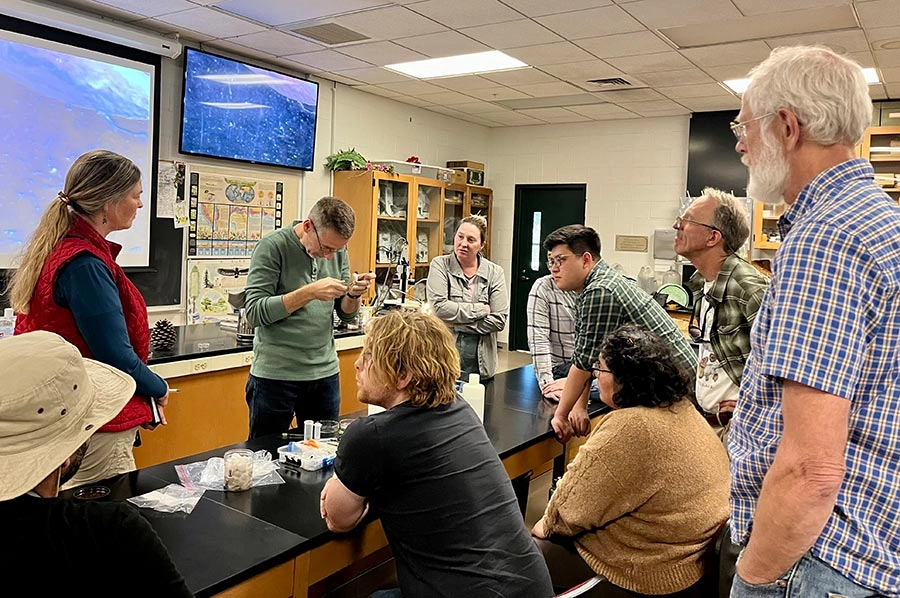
{"x":648,"y":491}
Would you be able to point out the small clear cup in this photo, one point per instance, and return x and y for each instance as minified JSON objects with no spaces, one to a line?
{"x":329,"y":428}
{"x":238,"y":470}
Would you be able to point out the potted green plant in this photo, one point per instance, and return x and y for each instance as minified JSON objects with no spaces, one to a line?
{"x":345,"y":160}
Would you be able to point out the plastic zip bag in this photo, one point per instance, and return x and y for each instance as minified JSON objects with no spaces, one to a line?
{"x":210,"y":474}
{"x":170,"y":499}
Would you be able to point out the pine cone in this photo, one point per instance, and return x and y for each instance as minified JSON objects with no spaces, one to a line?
{"x":163,"y":335}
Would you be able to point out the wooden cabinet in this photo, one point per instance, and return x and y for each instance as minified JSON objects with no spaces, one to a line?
{"x":881,"y":145}
{"x":765,"y":225}
{"x":391,"y":207}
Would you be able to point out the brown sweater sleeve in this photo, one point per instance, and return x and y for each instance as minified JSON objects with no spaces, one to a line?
{"x":606,"y":480}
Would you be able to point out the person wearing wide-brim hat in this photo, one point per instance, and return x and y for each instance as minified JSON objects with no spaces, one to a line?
{"x":52,"y":400}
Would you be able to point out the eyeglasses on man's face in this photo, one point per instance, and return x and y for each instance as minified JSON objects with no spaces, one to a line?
{"x":679,"y":223}
{"x":556,"y":261}
{"x":740,"y":129}
{"x":322,"y":247}
{"x":596,"y":370}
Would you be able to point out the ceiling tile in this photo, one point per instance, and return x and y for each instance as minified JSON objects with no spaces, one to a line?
{"x":374,"y":75}
{"x":414,"y":101}
{"x":519,"y":77}
{"x":497,"y":94}
{"x":170,"y":30}
{"x":539,"y":8}
{"x":710,"y":104}
{"x":413,"y":86}
{"x":657,"y":14}
{"x":582,"y":71}
{"x":545,"y":54}
{"x":877,"y":92}
{"x":723,"y":54}
{"x":211,"y":22}
{"x":276,"y":43}
{"x":282,"y":13}
{"x":464,"y":83}
{"x":150,"y":9}
{"x":124,"y":16}
{"x":650,"y":63}
{"x":514,"y":119}
{"x":839,"y":41}
{"x":554,"y":115}
{"x":465,"y":13}
{"x":338,"y":78}
{"x":477,"y":107}
{"x":381,"y":53}
{"x":677,"y":77}
{"x":891,"y":74}
{"x":447,"y":43}
{"x":703,"y":90}
{"x":630,"y":95}
{"x":884,"y":35}
{"x":887,"y":57}
{"x":865,"y":59}
{"x":893,"y":91}
{"x":511,"y":34}
{"x":730,"y":71}
{"x":759,"y":7}
{"x":379,"y":91}
{"x":445,"y":98}
{"x":881,"y":13}
{"x":448,"y":111}
{"x":602,"y":111}
{"x":543,"y":90}
{"x":327,"y":60}
{"x":390,"y":23}
{"x":673,"y":112}
{"x":643,"y":108}
{"x":580,"y":24}
{"x":624,"y":44}
{"x":218,"y":45}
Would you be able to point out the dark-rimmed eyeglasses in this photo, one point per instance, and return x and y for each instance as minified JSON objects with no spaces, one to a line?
{"x":556,"y":261}
{"x":597,"y":370}
{"x":324,"y":248}
{"x":740,"y":129}
{"x":679,"y":223}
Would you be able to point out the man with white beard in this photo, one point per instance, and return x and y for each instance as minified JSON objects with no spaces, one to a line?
{"x":815,"y":439}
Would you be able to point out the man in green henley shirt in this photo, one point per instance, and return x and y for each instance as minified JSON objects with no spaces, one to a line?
{"x":298,"y":277}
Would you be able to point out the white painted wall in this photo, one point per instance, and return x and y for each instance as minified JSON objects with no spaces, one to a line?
{"x":635,"y":170}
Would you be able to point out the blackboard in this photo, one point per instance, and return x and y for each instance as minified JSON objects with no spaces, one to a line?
{"x":712,"y":161}
{"x":160,"y":283}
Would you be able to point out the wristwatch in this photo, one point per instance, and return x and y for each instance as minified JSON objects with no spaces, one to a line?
{"x":354,"y":297}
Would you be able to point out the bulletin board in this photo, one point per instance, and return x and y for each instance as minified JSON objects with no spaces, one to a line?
{"x":230,"y":213}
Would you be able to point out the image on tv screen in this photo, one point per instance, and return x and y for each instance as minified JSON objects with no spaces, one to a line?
{"x":58,"y":102}
{"x":241,"y":112}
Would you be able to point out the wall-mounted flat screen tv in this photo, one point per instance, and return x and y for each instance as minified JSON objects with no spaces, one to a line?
{"x":238,"y":111}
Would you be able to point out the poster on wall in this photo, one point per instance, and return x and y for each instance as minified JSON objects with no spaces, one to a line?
{"x":229,"y":214}
{"x":208,"y":284}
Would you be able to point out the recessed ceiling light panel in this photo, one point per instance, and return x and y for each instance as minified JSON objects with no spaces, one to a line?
{"x":455,"y":66}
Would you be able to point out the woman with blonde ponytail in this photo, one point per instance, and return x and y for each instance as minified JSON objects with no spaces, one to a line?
{"x":68,"y":282}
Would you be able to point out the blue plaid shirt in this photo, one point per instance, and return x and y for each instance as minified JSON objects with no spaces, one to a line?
{"x":830,"y":319}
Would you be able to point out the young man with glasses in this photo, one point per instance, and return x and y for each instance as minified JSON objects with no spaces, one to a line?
{"x":815,"y":438}
{"x":299,"y":277}
{"x":727,"y":293}
{"x":606,"y":300}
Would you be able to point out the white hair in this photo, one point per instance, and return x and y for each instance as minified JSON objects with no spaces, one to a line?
{"x":827,"y":92}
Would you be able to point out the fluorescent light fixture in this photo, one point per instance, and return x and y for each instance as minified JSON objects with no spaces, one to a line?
{"x":740,"y":85}
{"x":454,"y":66}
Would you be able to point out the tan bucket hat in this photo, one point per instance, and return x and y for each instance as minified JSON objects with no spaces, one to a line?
{"x":51,"y":401}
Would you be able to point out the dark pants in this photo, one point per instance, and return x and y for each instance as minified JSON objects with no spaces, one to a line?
{"x":568,"y":569}
{"x":274,"y":403}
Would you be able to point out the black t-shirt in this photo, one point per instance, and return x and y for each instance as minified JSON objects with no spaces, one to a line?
{"x":58,"y":547}
{"x":445,"y":501}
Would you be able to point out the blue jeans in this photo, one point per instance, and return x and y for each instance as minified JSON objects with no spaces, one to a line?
{"x":562,"y":371}
{"x":393,"y":593}
{"x":274,"y":403}
{"x":808,"y":578}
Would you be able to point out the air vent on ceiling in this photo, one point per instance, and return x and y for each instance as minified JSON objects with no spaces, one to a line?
{"x":610,"y":82}
{"x":330,"y":34}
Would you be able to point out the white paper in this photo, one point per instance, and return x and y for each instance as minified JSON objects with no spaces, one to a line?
{"x":166,"y":191}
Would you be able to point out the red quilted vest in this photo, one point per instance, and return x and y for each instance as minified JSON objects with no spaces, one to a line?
{"x":45,"y":314}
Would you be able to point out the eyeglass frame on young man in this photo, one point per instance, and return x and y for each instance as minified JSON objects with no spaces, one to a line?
{"x":740,"y":129}
{"x":324,"y":248}
{"x":557,"y":260}
{"x":680,"y":220}
{"x":596,"y":369}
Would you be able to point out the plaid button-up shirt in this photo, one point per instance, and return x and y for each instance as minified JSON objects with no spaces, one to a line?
{"x":551,"y":328}
{"x":610,"y":300}
{"x":735,"y":297}
{"x":830,"y":320}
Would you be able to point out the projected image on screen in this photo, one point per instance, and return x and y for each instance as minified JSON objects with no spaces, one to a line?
{"x":241,"y":112}
{"x":57,"y":103}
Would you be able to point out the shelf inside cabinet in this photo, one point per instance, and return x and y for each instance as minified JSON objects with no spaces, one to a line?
{"x":393,"y":218}
{"x":883,"y":158}
{"x":427,"y":221}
